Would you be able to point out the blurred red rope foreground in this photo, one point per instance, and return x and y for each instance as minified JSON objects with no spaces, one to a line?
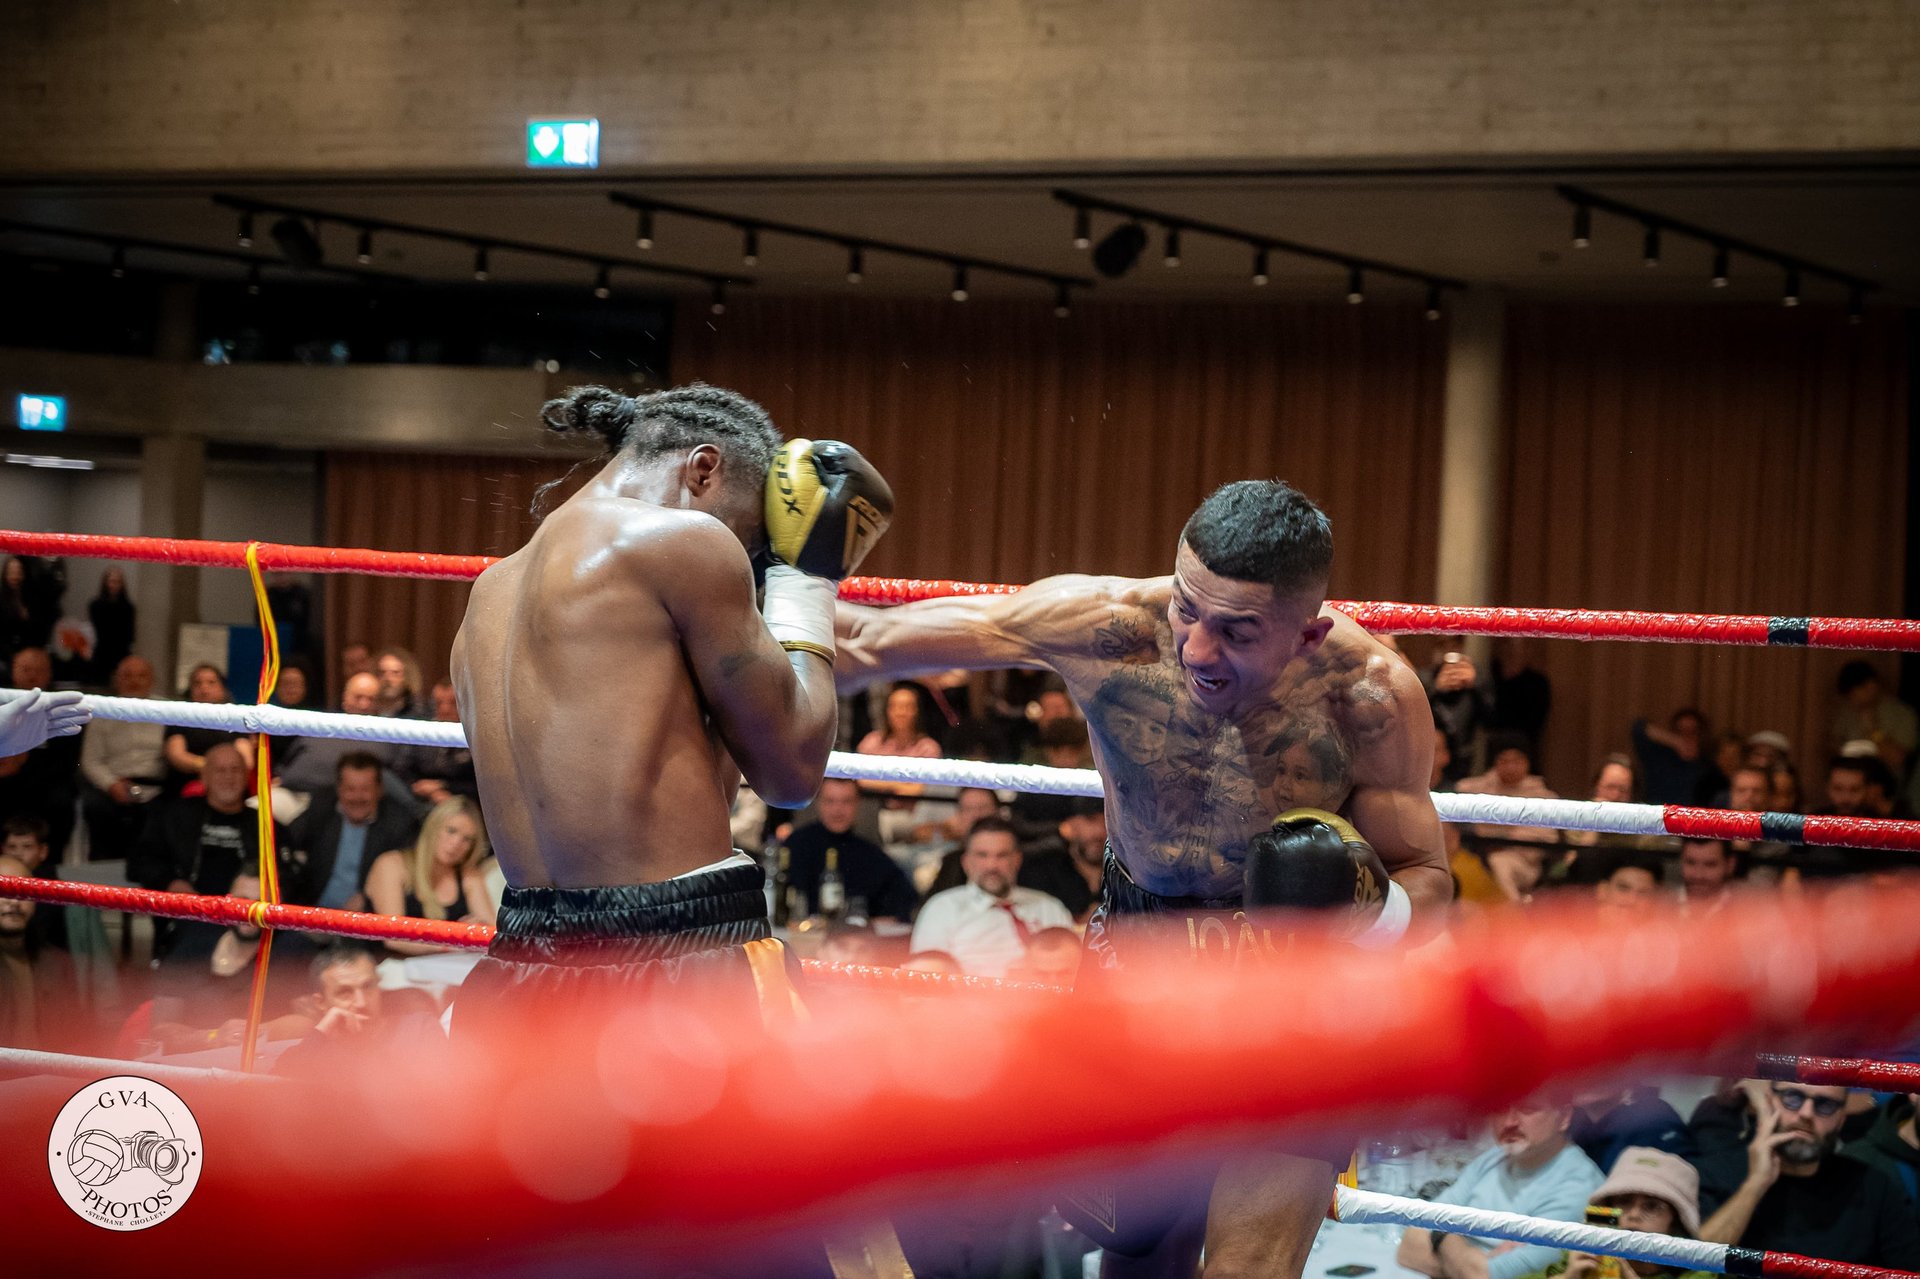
{"x":639,"y":1132}
{"x":1880,"y":634}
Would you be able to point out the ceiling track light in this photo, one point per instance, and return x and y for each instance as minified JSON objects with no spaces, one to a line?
{"x":719,"y":304}
{"x":1082,"y":228}
{"x":480,"y":271}
{"x":253,"y":280}
{"x":1650,"y":246}
{"x":1260,"y":267}
{"x":1356,"y":286}
{"x":1720,"y":264}
{"x":603,"y":282}
{"x":643,"y":233}
{"x":1433,"y":301}
{"x":750,"y":246}
{"x":1173,"y":246}
{"x":1582,"y":226}
{"x":1062,"y":301}
{"x":960,"y":282}
{"x":363,"y":254}
{"x":244,"y":234}
{"x":856,"y":264}
{"x":1790,"y":296}
{"x":118,"y":267}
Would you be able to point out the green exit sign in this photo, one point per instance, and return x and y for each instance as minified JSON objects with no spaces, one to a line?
{"x":563,"y":144}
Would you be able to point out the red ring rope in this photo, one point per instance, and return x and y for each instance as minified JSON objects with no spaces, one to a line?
{"x":1878,"y":634}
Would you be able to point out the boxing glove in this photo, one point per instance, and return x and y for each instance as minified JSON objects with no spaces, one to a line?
{"x":1314,"y":860}
{"x":826,"y":506}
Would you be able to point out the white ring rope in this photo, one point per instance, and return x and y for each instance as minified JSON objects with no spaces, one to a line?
{"x":1563,"y":814}
{"x":1367,"y":1206}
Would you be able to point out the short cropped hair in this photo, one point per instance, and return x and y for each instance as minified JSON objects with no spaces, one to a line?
{"x":990,"y":826}
{"x":336,"y":953}
{"x":671,"y":421}
{"x":361,"y":760}
{"x":1263,"y":531}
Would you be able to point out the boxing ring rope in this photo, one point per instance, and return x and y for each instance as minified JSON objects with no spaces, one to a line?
{"x":1566,"y":814}
{"x":1847,"y":1072}
{"x":1898,"y":635}
{"x":1366,"y":1207}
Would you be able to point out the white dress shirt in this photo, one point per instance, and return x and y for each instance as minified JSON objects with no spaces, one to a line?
{"x":973,"y":926}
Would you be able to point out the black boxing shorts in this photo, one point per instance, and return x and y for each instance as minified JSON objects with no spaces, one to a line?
{"x":558,"y":946}
{"x":1165,"y":1212}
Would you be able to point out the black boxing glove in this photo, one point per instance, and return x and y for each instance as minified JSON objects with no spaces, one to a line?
{"x":1315,"y":860}
{"x":825,"y":506}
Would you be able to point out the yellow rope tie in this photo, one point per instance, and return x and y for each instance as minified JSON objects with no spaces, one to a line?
{"x":263,"y":787}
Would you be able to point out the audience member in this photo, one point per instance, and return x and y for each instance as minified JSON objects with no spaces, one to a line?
{"x":1729,"y":753}
{"x":355,"y":659}
{"x":1606,"y":1121}
{"x":124,"y":765}
{"x":307,"y":765}
{"x":24,"y":838}
{"x":969,"y":806}
{"x":39,"y":998}
{"x":1892,"y":1145}
{"x":1657,"y":1193}
{"x":442,"y":876}
{"x":1867,"y":712}
{"x":112,"y":614}
{"x":1063,"y":744}
{"x":847,"y":943}
{"x":1616,"y":782}
{"x":198,"y":844}
{"x":1630,"y":891}
{"x":44,"y":782}
{"x":203,"y":1004}
{"x":1515,"y":866}
{"x":356,"y":1018}
{"x":865,"y":869}
{"x":332,"y":845}
{"x":1462,"y":709}
{"x":1769,"y":749}
{"x":1708,"y":868}
{"x":1783,"y":789}
{"x":987,"y":922}
{"x":1531,"y":1168}
{"x":296,"y":689}
{"x":186,"y":748}
{"x":932,"y":961}
{"x":904,"y":737}
{"x":435,"y":774}
{"x":1474,"y":886}
{"x":1052,"y":958}
{"x":399,"y":674}
{"x":1069,"y":864}
{"x":1671,"y":762}
{"x":19,"y":627}
{"x":1798,"y":1197}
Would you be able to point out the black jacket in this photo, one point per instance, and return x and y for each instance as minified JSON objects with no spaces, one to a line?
{"x":169,"y":848}
{"x":314,"y":841}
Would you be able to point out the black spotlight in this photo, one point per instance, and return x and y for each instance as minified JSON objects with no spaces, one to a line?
{"x":1119,"y":251}
{"x":297,"y":244}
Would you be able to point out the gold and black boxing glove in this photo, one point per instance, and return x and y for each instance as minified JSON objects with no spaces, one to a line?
{"x":825,"y":508}
{"x":1310,"y":859}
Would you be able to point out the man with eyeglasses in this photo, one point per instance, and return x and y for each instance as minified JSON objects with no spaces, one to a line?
{"x":1797,"y":1196}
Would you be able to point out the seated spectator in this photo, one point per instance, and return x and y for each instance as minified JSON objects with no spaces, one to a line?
{"x":354,"y":1017}
{"x":1892,"y":1145}
{"x":331,"y":847}
{"x":1531,"y":1168}
{"x":1729,"y":752}
{"x":1657,"y":1193}
{"x":987,"y":923}
{"x":1670,"y":757}
{"x":1515,"y":866}
{"x":865,"y":869}
{"x":1783,"y":789}
{"x":1052,"y":959}
{"x":1867,"y":712}
{"x":850,"y":944}
{"x":124,"y":765}
{"x":1769,"y":749}
{"x":435,"y":774}
{"x":1708,"y":868}
{"x":44,"y":782}
{"x":938,"y":874}
{"x":902,"y":736}
{"x":400,"y":684}
{"x":39,"y":996}
{"x":204,"y":1005}
{"x":307,"y":765}
{"x":1063,"y":744}
{"x":186,"y":748}
{"x":198,"y":844}
{"x":25,"y":840}
{"x":1462,"y":708}
{"x":1747,"y":789}
{"x":1474,"y":886}
{"x":111,"y":613}
{"x":932,"y":961}
{"x":1855,"y":784}
{"x":443,"y":875}
{"x":1617,"y":782}
{"x":1630,"y":891}
{"x":296,"y":689}
{"x":1071,"y":863}
{"x":1608,"y":1120}
{"x":20,"y":623}
{"x":1883,"y":797}
{"x":1798,"y":1196}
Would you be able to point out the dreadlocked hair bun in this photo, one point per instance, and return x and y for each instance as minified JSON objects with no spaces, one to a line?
{"x":594,"y":410}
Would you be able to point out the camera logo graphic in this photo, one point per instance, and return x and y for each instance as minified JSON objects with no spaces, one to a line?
{"x":125,"y":1153}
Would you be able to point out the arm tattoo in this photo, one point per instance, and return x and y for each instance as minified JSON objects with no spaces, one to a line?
{"x":1127,"y":637}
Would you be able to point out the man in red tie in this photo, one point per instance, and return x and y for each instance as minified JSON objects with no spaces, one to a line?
{"x":987,"y":922}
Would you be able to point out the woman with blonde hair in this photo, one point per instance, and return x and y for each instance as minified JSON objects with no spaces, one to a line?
{"x":443,"y":876}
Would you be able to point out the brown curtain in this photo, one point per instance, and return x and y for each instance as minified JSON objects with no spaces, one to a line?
{"x":1019,"y":444}
{"x":1706,"y":459}
{"x":423,"y":502}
